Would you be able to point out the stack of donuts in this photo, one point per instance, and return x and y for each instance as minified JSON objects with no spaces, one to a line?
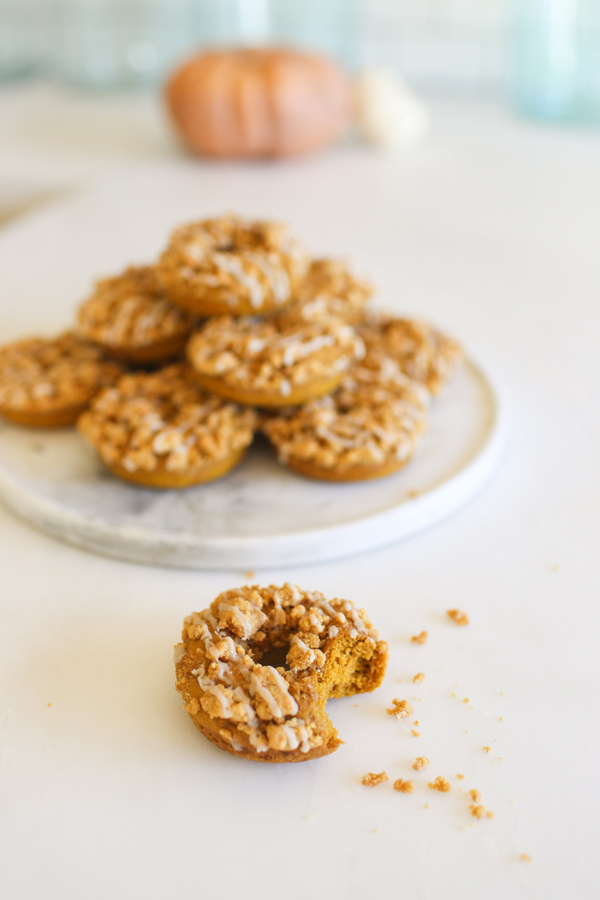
{"x":172,"y":368}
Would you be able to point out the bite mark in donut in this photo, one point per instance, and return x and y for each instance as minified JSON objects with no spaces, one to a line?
{"x":274,"y":713}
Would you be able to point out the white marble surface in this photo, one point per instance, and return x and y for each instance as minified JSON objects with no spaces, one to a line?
{"x":492,"y":232}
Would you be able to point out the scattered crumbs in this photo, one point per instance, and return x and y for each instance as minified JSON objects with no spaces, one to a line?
{"x":490,"y":814}
{"x":48,"y":704}
{"x":477,"y":810}
{"x":500,"y":758}
{"x":419,"y":638}
{"x":415,"y":722}
{"x":466,"y":700}
{"x":459,"y":776}
{"x":486,"y":749}
{"x":440,"y":784}
{"x":400,"y":708}
{"x":502,"y":693}
{"x":454,"y":693}
{"x":500,"y":719}
{"x":404,"y":786}
{"x":421,"y":762}
{"x":419,"y":677}
{"x":474,"y":795}
{"x":250,"y":574}
{"x":356,"y":705}
{"x":375,"y":778}
{"x":458,"y":616}
{"x":426,"y":806}
{"x":471,"y":707}
{"x":525,"y":857}
{"x":415,"y":733}
{"x":420,"y":699}
{"x":466,"y":730}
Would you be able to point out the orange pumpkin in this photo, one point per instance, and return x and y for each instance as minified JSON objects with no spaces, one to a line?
{"x":258,"y":103}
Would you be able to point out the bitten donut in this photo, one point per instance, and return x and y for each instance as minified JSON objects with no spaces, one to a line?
{"x":47,"y":383}
{"x":269,"y":363}
{"x":329,"y":289}
{"x":422,"y":352}
{"x":228,"y":265}
{"x":253,"y":705}
{"x":367,"y":429}
{"x":130,"y":316}
{"x":162,"y":430}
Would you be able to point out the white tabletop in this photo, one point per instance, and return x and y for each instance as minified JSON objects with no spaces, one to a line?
{"x":492,"y":231}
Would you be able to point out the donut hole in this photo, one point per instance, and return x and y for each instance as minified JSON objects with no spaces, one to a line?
{"x":276,"y":657}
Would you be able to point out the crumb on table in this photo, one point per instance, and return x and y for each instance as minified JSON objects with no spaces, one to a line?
{"x":404,"y":786}
{"x":474,"y":795}
{"x":458,"y":616}
{"x":415,"y":733}
{"x":420,"y":676}
{"x":525,"y":857}
{"x":400,"y":708}
{"x":466,"y":700}
{"x":419,"y":638}
{"x":459,"y":776}
{"x":487,"y":749}
{"x":421,"y":762}
{"x":440,"y":784}
{"x":375,"y":778}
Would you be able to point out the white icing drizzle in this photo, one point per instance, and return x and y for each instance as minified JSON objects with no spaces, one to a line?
{"x":283,"y":687}
{"x":360,"y":625}
{"x":233,"y":265}
{"x":179,"y":652}
{"x":332,"y":631}
{"x":291,"y":736}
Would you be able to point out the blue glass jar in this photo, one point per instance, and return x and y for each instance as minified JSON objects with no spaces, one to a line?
{"x":556,"y":59}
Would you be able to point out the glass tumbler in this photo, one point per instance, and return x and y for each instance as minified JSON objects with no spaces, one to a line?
{"x":556,"y":59}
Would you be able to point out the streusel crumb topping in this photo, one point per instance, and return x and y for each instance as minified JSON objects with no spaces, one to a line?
{"x":268,"y":355}
{"x":131,"y":310}
{"x":42,"y":374}
{"x":164,"y":419}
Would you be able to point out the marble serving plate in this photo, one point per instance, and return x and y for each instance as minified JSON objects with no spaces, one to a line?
{"x":260,"y":514}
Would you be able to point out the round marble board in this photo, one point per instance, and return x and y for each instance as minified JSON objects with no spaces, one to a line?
{"x":261,"y":514}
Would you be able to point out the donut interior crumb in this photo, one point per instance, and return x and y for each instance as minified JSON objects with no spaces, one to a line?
{"x":403,"y":786}
{"x":458,"y":616}
{"x":373,"y":778}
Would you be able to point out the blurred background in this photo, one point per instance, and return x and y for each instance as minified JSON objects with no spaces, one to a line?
{"x":80,"y":79}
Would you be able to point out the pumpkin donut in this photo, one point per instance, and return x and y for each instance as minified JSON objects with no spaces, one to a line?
{"x":367,"y":429}
{"x":422,"y":352}
{"x":275,"y":712}
{"x":162,"y":430}
{"x":329,"y":289}
{"x":227,"y":265}
{"x":129,"y":315}
{"x":270,"y":363}
{"x":48,"y":382}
